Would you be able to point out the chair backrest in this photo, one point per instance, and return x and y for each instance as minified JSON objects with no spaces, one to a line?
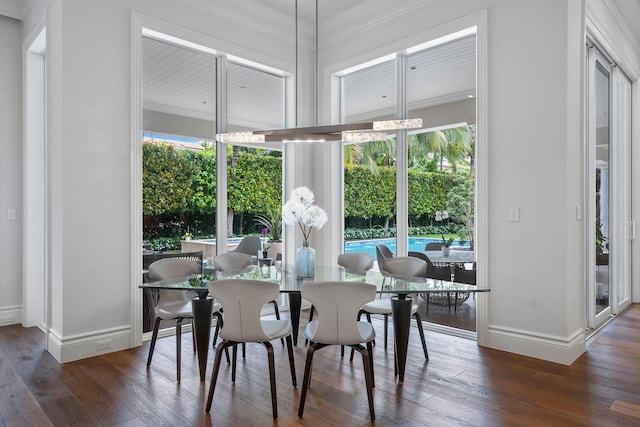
{"x":461,"y":275}
{"x":356,"y":261}
{"x":148,"y":259}
{"x":172,"y":268}
{"x":383,"y":253}
{"x":242,"y":302}
{"x":441,"y":272}
{"x":231,"y":261}
{"x":337,"y":304}
{"x":249,"y":245}
{"x":433,"y":246}
{"x":406,"y":266}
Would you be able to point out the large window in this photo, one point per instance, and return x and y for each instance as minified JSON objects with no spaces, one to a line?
{"x":439,"y":84}
{"x":254,"y":175}
{"x":370,"y":167}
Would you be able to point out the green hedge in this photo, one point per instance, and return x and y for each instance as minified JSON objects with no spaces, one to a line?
{"x":179,"y":190}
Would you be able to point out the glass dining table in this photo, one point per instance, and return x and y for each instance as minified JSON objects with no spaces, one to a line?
{"x":285,"y":275}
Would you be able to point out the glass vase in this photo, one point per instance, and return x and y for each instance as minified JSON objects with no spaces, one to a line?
{"x":305,"y":260}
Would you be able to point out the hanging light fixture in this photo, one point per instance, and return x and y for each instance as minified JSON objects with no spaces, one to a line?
{"x":353,"y":132}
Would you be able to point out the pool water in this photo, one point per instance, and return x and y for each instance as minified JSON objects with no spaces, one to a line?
{"x":369,"y":246}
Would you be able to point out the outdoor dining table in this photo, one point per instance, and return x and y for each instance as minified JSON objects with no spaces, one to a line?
{"x":455,"y":256}
{"x":285,"y":275}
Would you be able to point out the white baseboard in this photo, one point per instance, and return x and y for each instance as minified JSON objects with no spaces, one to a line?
{"x":558,"y":349}
{"x":10,"y":315}
{"x":75,"y":347}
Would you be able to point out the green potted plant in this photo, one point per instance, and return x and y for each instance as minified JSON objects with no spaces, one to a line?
{"x":446,"y":245}
{"x":187,"y":235}
{"x":272,"y":221}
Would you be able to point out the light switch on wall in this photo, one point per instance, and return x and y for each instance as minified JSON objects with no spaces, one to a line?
{"x":11,"y":214}
{"x":514,"y":213}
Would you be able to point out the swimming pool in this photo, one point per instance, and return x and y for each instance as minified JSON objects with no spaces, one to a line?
{"x":369,"y":246}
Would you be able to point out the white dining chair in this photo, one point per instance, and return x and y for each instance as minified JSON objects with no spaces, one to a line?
{"x":242,"y":302}
{"x":404,"y":266}
{"x":173,"y":304}
{"x":338,"y":304}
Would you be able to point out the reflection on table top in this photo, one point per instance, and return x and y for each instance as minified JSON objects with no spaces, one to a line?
{"x":285,"y":275}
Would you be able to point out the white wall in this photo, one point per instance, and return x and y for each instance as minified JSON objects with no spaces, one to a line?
{"x":534,"y":267}
{"x":534,"y":128}
{"x":10,"y":171}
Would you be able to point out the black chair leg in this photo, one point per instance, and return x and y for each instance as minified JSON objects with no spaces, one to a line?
{"x":386,"y":330}
{"x":277,"y":310}
{"x":311,"y":311}
{"x":307,"y":374}
{"x":272,"y":379}
{"x":193,"y":335}
{"x":421,"y":332}
{"x":178,"y":345}
{"x":368,"y":376}
{"x":234,"y":362}
{"x":292,"y":363}
{"x":154,"y":337}
{"x":214,"y":374}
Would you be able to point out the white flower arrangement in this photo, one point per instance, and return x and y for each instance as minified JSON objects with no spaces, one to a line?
{"x":301,"y":210}
{"x":441,"y":215}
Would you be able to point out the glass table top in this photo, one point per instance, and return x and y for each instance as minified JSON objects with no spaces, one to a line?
{"x":286,"y":277}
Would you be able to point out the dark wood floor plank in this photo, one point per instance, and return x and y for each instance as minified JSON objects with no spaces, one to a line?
{"x":461,"y":385}
{"x":17,"y":405}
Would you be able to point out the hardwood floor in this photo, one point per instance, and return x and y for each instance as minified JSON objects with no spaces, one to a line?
{"x":461,"y":384}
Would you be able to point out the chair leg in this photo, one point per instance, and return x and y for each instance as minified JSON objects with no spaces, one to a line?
{"x":307,"y":374}
{"x":219,"y":325}
{"x":368,"y":315}
{"x":369,"y":320}
{"x":178,"y":345}
{"x":272,"y":379}
{"x":216,"y":368}
{"x":427,"y":299}
{"x":234,"y":359}
{"x":154,"y":336}
{"x":193,"y":335}
{"x":421,"y":332}
{"x":373,"y":376}
{"x":277,"y":310}
{"x":368,"y":376}
{"x":311,"y":311}
{"x":386,"y":330}
{"x":292,"y":363}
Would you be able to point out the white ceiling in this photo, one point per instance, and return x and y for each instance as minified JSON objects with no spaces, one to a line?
{"x":182,"y":81}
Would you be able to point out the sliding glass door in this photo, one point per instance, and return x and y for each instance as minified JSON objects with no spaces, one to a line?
{"x":609,"y":214}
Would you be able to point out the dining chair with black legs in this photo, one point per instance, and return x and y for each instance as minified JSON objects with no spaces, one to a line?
{"x":173,"y":305}
{"x":338,"y":304}
{"x":402,"y":266}
{"x":236,"y":261}
{"x":242,"y":302}
{"x":354,"y":262}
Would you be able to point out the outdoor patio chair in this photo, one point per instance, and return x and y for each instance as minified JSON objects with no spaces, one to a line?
{"x":433,"y":246}
{"x":249,"y":245}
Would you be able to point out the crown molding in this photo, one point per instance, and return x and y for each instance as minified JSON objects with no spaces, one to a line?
{"x":12,"y":8}
{"x":355,"y":20}
{"x":259,"y":17}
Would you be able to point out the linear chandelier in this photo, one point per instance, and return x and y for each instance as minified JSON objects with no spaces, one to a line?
{"x":353,"y":132}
